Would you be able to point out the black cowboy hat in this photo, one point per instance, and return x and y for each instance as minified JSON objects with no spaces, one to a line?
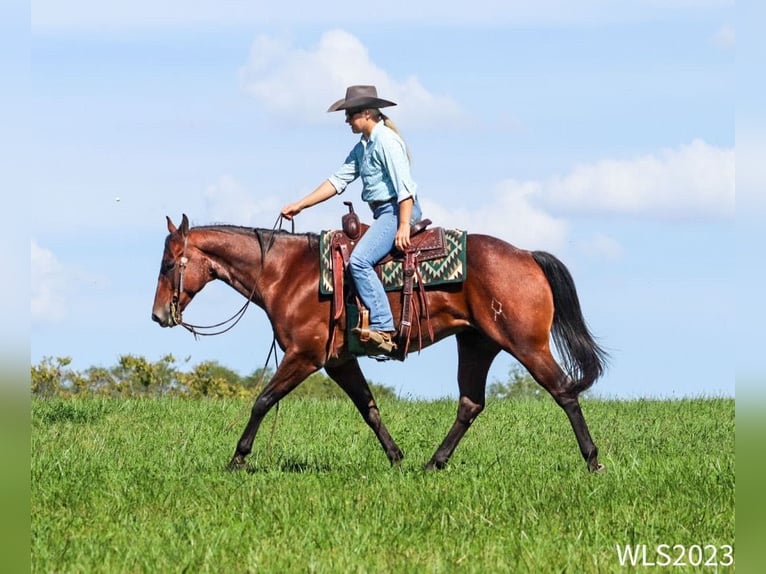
{"x":360,"y":97}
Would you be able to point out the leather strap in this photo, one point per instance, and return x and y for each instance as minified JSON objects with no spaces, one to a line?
{"x":340,"y":254}
{"x":405,"y":326}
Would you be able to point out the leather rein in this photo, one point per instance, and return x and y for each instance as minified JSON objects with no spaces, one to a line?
{"x":178,"y":288}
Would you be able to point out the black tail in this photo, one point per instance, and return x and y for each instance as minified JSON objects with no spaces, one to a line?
{"x":584,"y":359}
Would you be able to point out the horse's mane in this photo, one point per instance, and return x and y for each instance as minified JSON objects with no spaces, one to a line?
{"x":241,"y":229}
{"x":265,"y":236}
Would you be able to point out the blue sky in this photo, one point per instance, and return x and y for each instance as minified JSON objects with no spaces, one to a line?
{"x":606,"y":137}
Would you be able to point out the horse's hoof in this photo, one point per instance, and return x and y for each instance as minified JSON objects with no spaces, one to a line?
{"x":396,"y":458}
{"x":598,"y":469}
{"x":237,"y":463}
{"x":435,"y":465}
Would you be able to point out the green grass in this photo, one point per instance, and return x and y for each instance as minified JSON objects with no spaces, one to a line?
{"x":141,"y":486}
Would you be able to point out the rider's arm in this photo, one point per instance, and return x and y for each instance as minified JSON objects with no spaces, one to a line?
{"x":325,"y":191}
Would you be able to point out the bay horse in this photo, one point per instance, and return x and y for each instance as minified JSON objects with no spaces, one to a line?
{"x":511,"y":300}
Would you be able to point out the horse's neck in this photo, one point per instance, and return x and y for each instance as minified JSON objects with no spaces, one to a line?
{"x":234,"y":255}
{"x":227,"y":244}
{"x":254,"y":262}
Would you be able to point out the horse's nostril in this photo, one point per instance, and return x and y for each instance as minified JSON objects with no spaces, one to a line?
{"x":155,"y":318}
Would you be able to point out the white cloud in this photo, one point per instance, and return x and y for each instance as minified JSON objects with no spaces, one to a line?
{"x":692,"y":181}
{"x":49,"y":285}
{"x":509,"y":213}
{"x":600,"y":246}
{"x":725,"y":37}
{"x":57,"y":289}
{"x":303,"y":83}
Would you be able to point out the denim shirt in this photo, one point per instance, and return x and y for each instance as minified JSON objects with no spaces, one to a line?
{"x":381,"y":161}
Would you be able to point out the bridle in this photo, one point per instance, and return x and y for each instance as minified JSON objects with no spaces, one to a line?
{"x":175,"y":309}
{"x":178,"y":287}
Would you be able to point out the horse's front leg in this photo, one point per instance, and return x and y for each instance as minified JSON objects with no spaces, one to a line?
{"x":291,"y":372}
{"x":350,"y":378}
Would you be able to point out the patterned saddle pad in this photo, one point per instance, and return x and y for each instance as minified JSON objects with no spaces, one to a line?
{"x":449,"y":269}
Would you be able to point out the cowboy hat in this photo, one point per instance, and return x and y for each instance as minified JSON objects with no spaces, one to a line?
{"x":360,"y":97}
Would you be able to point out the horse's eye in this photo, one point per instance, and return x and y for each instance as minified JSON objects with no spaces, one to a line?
{"x":167,"y":267}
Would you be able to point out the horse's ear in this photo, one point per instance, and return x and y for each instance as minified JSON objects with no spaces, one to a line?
{"x":171,"y":226}
{"x":184,"y":229}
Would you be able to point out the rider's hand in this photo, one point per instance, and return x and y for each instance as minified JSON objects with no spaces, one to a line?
{"x":402,"y":239}
{"x":290,"y":210}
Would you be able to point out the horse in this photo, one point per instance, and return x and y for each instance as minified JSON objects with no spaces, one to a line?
{"x":511,"y":300}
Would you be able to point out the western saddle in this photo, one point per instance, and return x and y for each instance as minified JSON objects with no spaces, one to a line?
{"x":426,"y":244}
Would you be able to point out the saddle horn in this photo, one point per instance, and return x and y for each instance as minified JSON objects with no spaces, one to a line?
{"x":352,"y":227}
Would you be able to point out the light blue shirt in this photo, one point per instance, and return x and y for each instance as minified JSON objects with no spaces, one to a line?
{"x":383,"y":165}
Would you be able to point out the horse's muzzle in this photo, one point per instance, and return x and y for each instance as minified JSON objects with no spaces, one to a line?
{"x":164,"y":319}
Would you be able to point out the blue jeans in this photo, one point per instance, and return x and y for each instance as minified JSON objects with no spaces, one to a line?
{"x":372,"y":247}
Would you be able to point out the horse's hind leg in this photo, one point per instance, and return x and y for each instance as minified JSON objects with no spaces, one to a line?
{"x":350,"y":378}
{"x":546,"y":371}
{"x":475,"y":355}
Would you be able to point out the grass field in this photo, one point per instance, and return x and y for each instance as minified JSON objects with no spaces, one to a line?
{"x":141,"y":486}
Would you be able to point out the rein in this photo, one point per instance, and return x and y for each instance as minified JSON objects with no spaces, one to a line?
{"x":234,"y":319}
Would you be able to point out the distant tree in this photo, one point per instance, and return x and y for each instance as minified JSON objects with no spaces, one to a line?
{"x":520,"y":385}
{"x":50,"y":376}
{"x":211,"y":379}
{"x":381,"y":391}
{"x":258,"y":378}
{"x":100,"y":380}
{"x":320,"y":386}
{"x":132,"y":376}
{"x":138,"y":377}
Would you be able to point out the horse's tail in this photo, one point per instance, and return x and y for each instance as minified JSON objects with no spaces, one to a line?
{"x":584,"y":359}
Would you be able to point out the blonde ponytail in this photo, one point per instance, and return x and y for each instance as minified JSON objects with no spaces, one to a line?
{"x":392,"y":126}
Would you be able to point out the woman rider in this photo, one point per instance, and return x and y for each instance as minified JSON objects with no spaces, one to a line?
{"x":381,"y":159}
